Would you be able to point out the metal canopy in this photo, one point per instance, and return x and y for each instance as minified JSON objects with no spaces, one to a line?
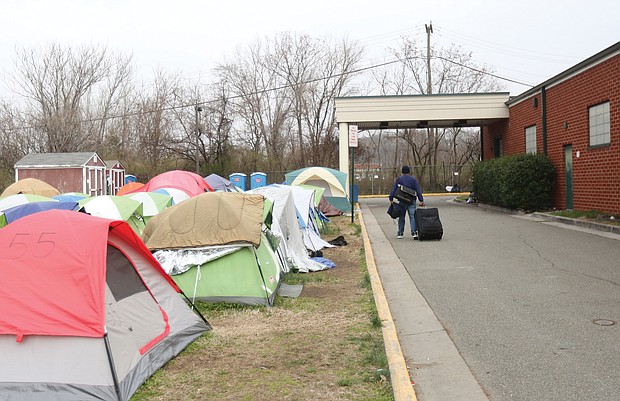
{"x":422,"y":111}
{"x":415,"y":111}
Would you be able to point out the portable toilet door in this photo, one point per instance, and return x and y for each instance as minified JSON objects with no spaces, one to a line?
{"x":130,"y":178}
{"x":258,"y":180}
{"x":239,"y":179}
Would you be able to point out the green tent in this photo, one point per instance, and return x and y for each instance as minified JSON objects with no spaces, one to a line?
{"x":216,"y":248}
{"x":115,"y":208}
{"x":332,"y":181}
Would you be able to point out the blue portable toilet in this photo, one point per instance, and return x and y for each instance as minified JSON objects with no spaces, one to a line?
{"x":130,"y":178}
{"x":239,"y":179}
{"x":257,"y":180}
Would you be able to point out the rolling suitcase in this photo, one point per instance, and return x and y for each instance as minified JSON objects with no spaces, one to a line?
{"x":429,"y":225}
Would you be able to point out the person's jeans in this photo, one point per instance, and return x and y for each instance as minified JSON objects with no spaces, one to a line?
{"x":401,"y":220}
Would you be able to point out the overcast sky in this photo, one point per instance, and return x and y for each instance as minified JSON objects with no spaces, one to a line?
{"x":524,"y":40}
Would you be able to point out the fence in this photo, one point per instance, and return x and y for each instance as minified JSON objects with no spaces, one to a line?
{"x":379,"y":181}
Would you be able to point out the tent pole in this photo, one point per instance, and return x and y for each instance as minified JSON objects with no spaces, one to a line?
{"x":195,"y":309}
{"x":108,"y":349}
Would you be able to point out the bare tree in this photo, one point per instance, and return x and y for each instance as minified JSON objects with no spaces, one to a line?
{"x":453,"y":71}
{"x":71,"y":92}
{"x":260,"y":102}
{"x":316,"y":72}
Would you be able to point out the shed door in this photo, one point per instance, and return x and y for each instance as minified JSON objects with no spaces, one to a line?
{"x":568,"y":172}
{"x":96,"y":181}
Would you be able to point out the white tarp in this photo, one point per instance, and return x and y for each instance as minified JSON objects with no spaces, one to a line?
{"x":304,"y":202}
{"x":286,"y":226}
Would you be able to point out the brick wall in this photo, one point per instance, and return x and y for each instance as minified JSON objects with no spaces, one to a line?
{"x":596,"y":172}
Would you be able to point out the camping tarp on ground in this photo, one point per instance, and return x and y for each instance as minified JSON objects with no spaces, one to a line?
{"x":248,"y":273}
{"x":31,"y":186}
{"x":333,"y":181}
{"x":178,"y":183}
{"x":286,"y":226}
{"x":115,"y":208}
{"x":87,"y":312}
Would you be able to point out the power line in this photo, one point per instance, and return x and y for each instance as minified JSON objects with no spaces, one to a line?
{"x":281,"y":87}
{"x":483,"y":72}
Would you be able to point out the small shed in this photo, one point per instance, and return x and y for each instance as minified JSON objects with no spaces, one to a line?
{"x":68,"y":172}
{"x":115,"y":176}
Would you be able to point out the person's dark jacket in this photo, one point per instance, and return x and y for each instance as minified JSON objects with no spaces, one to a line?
{"x":409,"y":181}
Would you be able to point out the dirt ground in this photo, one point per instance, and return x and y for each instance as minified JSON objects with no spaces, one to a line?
{"x":315,"y":347}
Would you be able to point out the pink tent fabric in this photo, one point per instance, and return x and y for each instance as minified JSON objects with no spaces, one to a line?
{"x":190,"y":183}
{"x":53,"y":267}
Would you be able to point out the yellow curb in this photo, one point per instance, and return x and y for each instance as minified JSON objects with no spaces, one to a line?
{"x":399,"y":375}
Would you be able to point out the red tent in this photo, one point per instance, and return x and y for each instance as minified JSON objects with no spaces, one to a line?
{"x":190,"y":183}
{"x":86,"y":311}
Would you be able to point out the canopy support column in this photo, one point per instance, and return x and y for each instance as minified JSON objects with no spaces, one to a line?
{"x":343,"y":129}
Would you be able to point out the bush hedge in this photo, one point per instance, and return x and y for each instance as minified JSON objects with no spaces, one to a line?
{"x":515,"y":182}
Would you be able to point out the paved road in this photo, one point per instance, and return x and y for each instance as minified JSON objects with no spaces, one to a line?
{"x":519,"y":299}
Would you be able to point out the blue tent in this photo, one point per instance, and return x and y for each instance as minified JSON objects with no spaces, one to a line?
{"x":219,"y":183}
{"x":19,"y":211}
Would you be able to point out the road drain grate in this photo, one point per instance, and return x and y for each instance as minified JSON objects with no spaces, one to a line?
{"x":604,"y":322}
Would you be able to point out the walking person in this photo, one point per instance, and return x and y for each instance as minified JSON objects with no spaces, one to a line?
{"x":408,"y":181}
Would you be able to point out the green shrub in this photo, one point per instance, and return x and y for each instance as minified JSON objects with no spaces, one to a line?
{"x":515,"y":182}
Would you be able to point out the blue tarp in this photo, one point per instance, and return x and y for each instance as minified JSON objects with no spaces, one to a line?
{"x":17,"y":212}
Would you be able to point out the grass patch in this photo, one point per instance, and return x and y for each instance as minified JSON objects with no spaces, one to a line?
{"x":295,"y":278}
{"x":326,"y":344}
{"x":577,"y":214}
{"x":593,"y":215}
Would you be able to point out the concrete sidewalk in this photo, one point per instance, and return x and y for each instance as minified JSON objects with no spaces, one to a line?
{"x":429,"y":358}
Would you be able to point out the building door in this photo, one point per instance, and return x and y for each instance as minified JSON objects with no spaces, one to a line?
{"x":497,"y":147}
{"x":568,"y":172}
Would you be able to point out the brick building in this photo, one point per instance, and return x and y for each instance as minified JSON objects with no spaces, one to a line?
{"x":574,"y":118}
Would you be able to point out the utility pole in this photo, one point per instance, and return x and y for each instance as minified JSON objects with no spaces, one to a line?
{"x":429,"y":91}
{"x":429,"y":30}
{"x":197,"y":110}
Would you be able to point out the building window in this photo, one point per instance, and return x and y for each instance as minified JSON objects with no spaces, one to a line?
{"x":599,"y":124}
{"x":530,"y":139}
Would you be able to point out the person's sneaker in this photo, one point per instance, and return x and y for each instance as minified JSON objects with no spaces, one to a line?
{"x":399,"y":236}
{"x":415,"y":235}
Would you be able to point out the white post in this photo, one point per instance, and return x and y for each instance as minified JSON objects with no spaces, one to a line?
{"x":343,"y":129}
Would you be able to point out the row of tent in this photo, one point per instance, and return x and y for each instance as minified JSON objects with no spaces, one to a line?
{"x":107,"y":282}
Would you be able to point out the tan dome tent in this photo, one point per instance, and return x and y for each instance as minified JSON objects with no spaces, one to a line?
{"x":215,"y":246}
{"x":31,"y":186}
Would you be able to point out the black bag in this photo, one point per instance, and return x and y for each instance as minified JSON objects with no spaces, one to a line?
{"x":429,"y":225}
{"x":405,"y":194}
{"x":396,"y":210}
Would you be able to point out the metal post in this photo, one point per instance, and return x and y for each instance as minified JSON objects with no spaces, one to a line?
{"x":197,"y":110}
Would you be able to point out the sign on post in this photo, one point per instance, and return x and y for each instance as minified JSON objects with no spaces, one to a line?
{"x":353,"y":136}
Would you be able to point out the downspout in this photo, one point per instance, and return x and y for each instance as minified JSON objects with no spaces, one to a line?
{"x":481,"y":144}
{"x":543,"y":100}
